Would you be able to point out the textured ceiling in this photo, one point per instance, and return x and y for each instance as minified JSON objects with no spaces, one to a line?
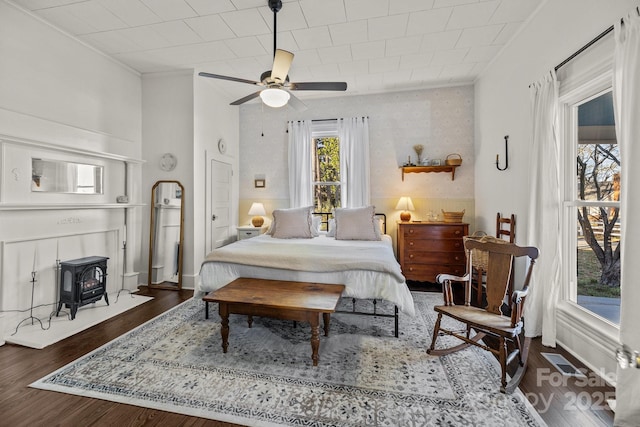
{"x":373,"y":45}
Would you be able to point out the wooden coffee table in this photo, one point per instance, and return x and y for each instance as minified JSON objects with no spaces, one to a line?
{"x":298,"y":301}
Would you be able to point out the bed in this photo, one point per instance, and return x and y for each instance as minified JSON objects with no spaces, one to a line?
{"x":364,"y":263}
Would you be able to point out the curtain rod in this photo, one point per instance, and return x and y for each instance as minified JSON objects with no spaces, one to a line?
{"x":585,"y":47}
{"x":325,"y":120}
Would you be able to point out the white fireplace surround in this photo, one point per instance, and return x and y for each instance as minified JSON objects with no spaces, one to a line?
{"x":41,"y":229}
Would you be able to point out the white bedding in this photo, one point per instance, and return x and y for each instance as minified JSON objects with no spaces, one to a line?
{"x":368,"y":269}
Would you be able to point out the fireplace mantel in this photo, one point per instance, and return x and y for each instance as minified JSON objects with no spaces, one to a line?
{"x":64,"y":206}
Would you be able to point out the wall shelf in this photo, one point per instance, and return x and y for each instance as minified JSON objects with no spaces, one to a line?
{"x":426,"y":169}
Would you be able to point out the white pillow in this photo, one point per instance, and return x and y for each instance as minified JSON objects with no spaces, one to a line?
{"x":316,"y":223}
{"x":357,"y":224}
{"x":332,"y":228}
{"x":293,"y":223}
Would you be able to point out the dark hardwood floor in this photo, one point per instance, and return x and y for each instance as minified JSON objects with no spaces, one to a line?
{"x":21,"y":405}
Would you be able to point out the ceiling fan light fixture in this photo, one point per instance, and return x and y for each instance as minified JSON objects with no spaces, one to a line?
{"x":274,"y":97}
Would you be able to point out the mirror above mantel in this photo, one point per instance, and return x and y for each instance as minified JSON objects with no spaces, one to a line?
{"x":58,"y":176}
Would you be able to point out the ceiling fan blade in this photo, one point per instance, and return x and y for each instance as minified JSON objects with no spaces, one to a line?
{"x":246,"y":98}
{"x":233,"y":79}
{"x":295,"y":103}
{"x":281,"y":64}
{"x":318,"y":86}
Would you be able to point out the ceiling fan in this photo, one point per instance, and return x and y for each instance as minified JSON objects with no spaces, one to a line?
{"x":275,"y":82}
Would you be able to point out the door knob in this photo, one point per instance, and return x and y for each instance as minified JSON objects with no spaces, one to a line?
{"x":213,"y":217}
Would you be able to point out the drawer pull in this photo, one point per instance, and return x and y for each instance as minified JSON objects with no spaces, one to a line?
{"x":411,"y":256}
{"x":410,"y":243}
{"x":457,"y":232}
{"x":410,"y":268}
{"x":411,"y":231}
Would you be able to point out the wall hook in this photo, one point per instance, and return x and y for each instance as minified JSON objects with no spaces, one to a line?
{"x":506,"y":155}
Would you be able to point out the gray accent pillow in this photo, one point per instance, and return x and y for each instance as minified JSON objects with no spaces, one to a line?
{"x":295,"y":223}
{"x":357,"y":224}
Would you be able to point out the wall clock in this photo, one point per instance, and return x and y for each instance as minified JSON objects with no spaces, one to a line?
{"x":222,"y":146}
{"x":168,"y":162}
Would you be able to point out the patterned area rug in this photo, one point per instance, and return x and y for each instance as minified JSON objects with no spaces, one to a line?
{"x":365,"y":376}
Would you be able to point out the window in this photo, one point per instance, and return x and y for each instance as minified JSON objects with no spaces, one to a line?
{"x":592,"y":189}
{"x":329,"y":163}
{"x":327,"y":177}
{"x":326,"y":173}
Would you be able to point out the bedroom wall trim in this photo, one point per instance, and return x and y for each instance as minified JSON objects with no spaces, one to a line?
{"x":592,"y":344}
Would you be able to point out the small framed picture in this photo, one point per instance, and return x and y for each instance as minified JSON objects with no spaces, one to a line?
{"x":436,"y":162}
{"x":259,"y":183}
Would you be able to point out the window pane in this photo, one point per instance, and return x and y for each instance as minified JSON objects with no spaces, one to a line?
{"x":598,"y":167}
{"x":598,"y":227}
{"x":598,"y":261}
{"x":327,"y":160}
{"x":326,"y":173}
{"x":327,"y":197}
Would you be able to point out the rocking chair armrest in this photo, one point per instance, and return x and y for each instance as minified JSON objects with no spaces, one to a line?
{"x":518,"y":296}
{"x":441,"y":278}
{"x":517,"y":306}
{"x":445,"y":280}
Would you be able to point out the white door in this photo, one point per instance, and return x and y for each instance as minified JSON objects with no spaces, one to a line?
{"x":220,"y":205}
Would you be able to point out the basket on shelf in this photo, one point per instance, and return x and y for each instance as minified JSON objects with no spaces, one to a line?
{"x":452,"y":216}
{"x":453,"y":161}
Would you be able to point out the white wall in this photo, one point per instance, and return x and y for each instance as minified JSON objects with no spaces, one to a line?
{"x":60,"y":99}
{"x":185,"y":116}
{"x":502,"y":108}
{"x":167,"y":118}
{"x":214,"y":119}
{"x":56,"y":89}
{"x":439,"y":119}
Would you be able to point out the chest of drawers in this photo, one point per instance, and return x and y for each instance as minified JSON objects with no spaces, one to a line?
{"x":426,"y":249}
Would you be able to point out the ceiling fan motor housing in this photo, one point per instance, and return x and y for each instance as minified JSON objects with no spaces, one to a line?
{"x":266,"y":79}
{"x":275,"y":5}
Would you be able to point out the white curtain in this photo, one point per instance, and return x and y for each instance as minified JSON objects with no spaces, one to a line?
{"x":354,"y":161}
{"x":626,"y":88}
{"x":545,"y":212}
{"x":300,"y":164}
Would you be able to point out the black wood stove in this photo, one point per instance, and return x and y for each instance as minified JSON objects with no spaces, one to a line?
{"x":82,"y":281}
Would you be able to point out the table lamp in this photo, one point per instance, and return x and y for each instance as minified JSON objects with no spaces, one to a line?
{"x":257,"y":210}
{"x":406,"y":205}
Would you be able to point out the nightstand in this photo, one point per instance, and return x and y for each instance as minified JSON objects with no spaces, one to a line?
{"x":248,"y":231}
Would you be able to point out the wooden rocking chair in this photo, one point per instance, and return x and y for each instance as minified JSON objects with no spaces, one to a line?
{"x":489,"y":321}
{"x":505,"y":232}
